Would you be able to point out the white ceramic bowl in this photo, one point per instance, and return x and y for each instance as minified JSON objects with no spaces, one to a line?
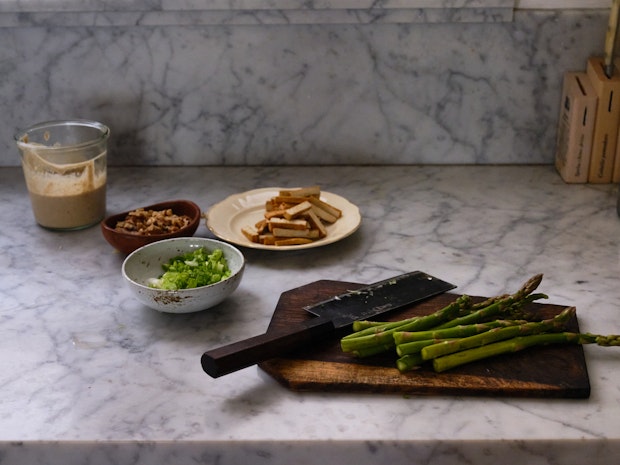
{"x":146,"y":263}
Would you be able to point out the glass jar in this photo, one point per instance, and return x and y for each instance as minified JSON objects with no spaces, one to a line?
{"x":65,"y":168}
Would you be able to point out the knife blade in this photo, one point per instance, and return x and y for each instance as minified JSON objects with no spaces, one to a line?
{"x":330,"y":315}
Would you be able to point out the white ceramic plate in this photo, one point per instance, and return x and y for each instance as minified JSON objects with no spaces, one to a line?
{"x":226,"y":218}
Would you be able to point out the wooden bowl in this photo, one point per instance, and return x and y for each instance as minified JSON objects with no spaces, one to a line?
{"x":127,"y":242}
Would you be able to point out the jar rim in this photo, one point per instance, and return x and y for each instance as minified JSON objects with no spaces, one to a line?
{"x":104,"y":133}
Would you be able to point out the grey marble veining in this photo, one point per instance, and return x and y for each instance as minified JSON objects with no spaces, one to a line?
{"x":259,"y":94}
{"x":263,"y":17}
{"x":157,"y":6}
{"x":71,"y":13}
{"x":90,"y":376}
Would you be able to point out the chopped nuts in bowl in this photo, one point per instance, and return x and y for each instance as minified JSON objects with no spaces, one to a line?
{"x":133,"y":229}
{"x":149,"y":222}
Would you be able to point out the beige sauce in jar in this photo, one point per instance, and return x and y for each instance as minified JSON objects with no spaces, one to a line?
{"x":68,"y":196}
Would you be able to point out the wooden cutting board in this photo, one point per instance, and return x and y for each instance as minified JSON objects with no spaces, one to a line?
{"x":556,"y":371}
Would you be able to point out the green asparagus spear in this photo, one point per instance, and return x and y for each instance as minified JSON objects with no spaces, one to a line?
{"x":499,"y":306}
{"x":367,"y":328}
{"x":385,"y":338}
{"x":380,"y":335}
{"x":363,"y":352}
{"x":466,"y":304}
{"x":415,"y":347}
{"x":520,"y":343}
{"x":507,"y":307}
{"x":403,"y":337}
{"x":409,"y":362}
{"x":555,"y":324}
{"x":361,"y":325}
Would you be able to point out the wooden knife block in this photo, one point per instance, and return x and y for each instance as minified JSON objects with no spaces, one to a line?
{"x":575,"y":128}
{"x":604,"y":140}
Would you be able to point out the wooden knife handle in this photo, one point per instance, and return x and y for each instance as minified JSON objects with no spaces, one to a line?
{"x":242,"y":354}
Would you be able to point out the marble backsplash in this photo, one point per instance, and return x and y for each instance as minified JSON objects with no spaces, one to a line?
{"x":468,"y":90}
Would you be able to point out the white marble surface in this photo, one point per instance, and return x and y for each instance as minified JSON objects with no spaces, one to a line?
{"x":330,"y":92}
{"x":89,"y":376}
{"x":22,"y":13}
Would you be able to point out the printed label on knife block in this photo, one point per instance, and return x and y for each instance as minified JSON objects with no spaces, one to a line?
{"x":606,"y":123}
{"x":575,"y":128}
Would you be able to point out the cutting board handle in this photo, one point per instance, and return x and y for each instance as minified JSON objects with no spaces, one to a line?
{"x":242,"y":354}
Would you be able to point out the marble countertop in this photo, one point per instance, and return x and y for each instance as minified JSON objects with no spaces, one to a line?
{"x":17,"y":13}
{"x":90,"y":376}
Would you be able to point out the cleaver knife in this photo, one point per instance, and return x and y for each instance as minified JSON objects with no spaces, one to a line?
{"x":331,"y":314}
